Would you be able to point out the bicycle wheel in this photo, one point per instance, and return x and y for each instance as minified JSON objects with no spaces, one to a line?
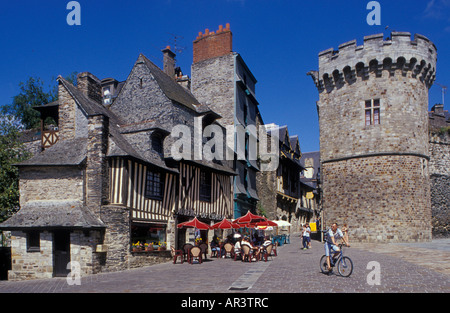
{"x":345,"y":266}
{"x":323,"y":264}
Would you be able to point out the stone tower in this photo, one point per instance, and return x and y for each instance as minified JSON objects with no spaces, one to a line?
{"x":373,"y":122}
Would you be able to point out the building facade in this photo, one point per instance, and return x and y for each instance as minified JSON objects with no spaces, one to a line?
{"x":221,"y":79}
{"x":374,"y":146}
{"x":280,"y":190}
{"x":439,"y":119}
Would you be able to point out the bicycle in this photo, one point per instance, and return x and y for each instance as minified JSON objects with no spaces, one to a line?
{"x":343,"y":263}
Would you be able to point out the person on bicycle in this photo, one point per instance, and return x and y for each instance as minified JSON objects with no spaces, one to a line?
{"x":331,"y":246}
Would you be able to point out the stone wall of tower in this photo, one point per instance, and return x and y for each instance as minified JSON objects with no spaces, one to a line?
{"x":376,"y":177}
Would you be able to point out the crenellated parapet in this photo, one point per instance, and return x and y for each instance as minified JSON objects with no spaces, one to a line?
{"x":396,"y":55}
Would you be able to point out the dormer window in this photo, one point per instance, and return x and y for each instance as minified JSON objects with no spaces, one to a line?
{"x":157,"y":143}
{"x":106,"y":91}
{"x":107,"y":96}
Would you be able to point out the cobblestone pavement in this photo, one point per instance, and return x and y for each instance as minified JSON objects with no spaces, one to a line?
{"x":404,"y":268}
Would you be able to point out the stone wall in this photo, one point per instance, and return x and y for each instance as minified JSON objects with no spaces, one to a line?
{"x":403,"y":124}
{"x":83,"y":250}
{"x":67,"y":113}
{"x":266,"y":184}
{"x":31,"y":265}
{"x":117,"y":237}
{"x":212,"y":83}
{"x":440,"y":183}
{"x":382,"y":198}
{"x":51,"y":183}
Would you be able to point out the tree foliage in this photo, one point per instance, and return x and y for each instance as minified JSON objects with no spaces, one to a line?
{"x":12,"y":151}
{"x":32,"y":94}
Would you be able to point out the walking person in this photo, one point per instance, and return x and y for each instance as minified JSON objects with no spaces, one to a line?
{"x":306,"y":236}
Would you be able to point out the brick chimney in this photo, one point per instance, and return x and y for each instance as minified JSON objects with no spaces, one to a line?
{"x":213,"y":44}
{"x":90,"y":86}
{"x":169,"y":62}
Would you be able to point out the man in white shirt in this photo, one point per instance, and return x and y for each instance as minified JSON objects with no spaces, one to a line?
{"x":332,"y":236}
{"x":306,"y":235}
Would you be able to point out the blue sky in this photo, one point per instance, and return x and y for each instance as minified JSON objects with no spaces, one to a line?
{"x":279,"y":40}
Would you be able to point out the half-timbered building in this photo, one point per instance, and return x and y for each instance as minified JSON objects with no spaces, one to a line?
{"x":280,"y":190}
{"x":106,"y":180}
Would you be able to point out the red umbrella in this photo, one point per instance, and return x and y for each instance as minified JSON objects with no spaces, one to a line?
{"x":249,"y":218}
{"x":194,"y":223}
{"x":267,"y":223}
{"x":225,"y":224}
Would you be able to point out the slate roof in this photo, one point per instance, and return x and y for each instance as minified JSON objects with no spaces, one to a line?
{"x":173,"y":90}
{"x":123,"y":145}
{"x":64,"y":152}
{"x":91,"y":107}
{"x":53,"y":214}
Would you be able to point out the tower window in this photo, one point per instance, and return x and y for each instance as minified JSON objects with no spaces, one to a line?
{"x":372,"y":112}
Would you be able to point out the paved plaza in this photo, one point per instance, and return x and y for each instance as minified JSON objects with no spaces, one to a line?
{"x":404,"y":268}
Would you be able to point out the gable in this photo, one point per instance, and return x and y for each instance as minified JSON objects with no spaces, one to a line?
{"x":141,"y":98}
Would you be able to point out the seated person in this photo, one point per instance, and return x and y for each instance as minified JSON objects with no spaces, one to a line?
{"x":254,"y":254}
{"x":215,"y":245}
{"x":265,"y":244}
{"x":237,"y":247}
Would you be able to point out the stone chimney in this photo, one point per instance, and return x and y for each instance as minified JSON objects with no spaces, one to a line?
{"x":213,"y":44}
{"x":169,"y":62}
{"x":90,"y":86}
{"x":96,"y":163}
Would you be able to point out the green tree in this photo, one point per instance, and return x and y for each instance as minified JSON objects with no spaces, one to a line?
{"x":31,"y":94}
{"x":12,"y":151}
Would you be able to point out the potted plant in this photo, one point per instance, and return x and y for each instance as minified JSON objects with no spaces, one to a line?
{"x":149,"y":247}
{"x":137,"y":246}
{"x":162,"y":246}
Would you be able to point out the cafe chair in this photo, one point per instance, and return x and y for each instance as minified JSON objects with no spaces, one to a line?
{"x":176,"y":254}
{"x":274,"y":248}
{"x":204,"y":247}
{"x":229,"y":249}
{"x":267,"y":252}
{"x":195,"y":252}
{"x":246,"y":253}
{"x":186,"y":248}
